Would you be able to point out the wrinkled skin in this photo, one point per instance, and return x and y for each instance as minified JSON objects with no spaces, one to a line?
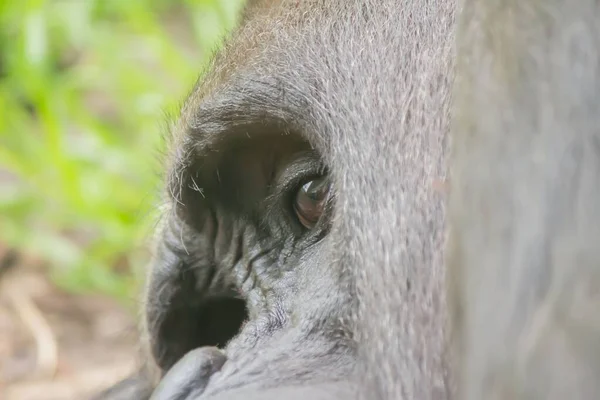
{"x":356,"y":306}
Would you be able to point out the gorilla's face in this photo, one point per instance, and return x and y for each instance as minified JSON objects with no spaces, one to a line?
{"x":246,"y":255}
{"x":304,"y":219}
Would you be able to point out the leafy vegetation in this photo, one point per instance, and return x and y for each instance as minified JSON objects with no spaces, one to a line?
{"x":84,"y":85}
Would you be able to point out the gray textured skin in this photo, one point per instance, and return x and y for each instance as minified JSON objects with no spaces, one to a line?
{"x":525,"y":202}
{"x":362,"y":89}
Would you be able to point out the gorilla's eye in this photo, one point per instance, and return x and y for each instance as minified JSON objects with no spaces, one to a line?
{"x":310,"y":201}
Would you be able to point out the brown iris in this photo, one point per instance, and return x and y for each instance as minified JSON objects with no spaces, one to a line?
{"x":310,"y":201}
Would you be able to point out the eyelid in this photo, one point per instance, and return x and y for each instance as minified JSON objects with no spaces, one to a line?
{"x":304,"y":168}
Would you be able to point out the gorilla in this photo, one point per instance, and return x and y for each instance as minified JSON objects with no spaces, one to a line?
{"x":302,"y":253}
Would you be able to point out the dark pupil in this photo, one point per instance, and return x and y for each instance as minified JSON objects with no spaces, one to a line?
{"x":310,"y":201}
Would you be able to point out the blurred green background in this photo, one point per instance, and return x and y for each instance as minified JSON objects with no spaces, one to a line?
{"x":84,"y":89}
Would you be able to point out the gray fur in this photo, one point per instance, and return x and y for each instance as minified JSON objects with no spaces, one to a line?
{"x":525,"y":208}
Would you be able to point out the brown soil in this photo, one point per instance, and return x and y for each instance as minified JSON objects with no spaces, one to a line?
{"x":60,"y":346}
